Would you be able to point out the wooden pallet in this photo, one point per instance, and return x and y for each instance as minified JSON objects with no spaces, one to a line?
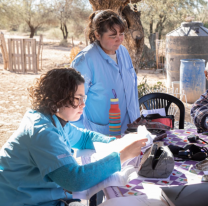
{"x":40,"y":52}
{"x":22,"y":55}
{"x":4,"y":51}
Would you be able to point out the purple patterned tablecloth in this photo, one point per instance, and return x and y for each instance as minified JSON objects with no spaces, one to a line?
{"x":175,"y":137}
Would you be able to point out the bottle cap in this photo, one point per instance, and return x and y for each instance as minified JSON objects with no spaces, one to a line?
{"x":114,"y":100}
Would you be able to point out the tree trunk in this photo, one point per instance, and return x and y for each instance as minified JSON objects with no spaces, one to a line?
{"x":72,"y":42}
{"x":109,"y":4}
{"x":134,"y":34}
{"x":151,"y":36}
{"x":32,"y":31}
{"x":151,"y":26}
{"x":64,"y":31}
{"x":160,"y":25}
{"x":86,"y":39}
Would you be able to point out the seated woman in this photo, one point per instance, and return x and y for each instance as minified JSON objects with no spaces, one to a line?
{"x":199,"y":113}
{"x":37,"y":166}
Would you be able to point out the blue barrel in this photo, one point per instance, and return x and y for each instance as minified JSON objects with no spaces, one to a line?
{"x":192,"y":78}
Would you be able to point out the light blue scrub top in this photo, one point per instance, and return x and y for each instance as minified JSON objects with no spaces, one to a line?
{"x":102,"y":74}
{"x":34,"y":150}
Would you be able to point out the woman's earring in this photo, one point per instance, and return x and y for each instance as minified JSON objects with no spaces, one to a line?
{"x":57,"y":110}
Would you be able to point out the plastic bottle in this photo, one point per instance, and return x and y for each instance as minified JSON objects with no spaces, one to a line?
{"x":115,"y":119}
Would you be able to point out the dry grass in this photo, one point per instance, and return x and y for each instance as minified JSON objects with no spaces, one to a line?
{"x":73,"y":53}
{"x":13,"y":101}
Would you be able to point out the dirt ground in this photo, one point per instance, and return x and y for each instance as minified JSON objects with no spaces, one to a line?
{"x":13,"y":92}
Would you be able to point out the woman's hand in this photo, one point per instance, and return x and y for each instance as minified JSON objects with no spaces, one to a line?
{"x":132,"y":150}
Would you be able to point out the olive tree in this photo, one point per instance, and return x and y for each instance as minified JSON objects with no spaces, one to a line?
{"x":33,"y":13}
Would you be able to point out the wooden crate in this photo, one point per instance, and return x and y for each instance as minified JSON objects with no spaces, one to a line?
{"x":4,"y":51}
{"x":39,"y":53}
{"x":22,"y":55}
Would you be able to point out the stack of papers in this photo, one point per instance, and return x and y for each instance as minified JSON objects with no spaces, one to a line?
{"x":160,"y":111}
{"x":85,"y":152}
{"x":141,"y":200}
{"x":128,"y":171}
{"x":103,"y":149}
{"x":117,"y":179}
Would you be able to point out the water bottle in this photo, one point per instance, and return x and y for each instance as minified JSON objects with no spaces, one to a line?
{"x":115,"y":119}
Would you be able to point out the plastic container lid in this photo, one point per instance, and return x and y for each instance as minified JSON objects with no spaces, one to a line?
{"x":114,"y":100}
{"x":192,"y":60}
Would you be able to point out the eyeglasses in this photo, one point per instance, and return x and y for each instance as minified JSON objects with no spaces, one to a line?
{"x":79,"y":101}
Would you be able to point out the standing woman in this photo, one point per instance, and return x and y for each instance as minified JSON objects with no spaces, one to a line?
{"x":37,"y":166}
{"x":106,"y":65}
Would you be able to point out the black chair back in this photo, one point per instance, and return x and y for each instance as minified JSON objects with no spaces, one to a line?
{"x":163,"y":100}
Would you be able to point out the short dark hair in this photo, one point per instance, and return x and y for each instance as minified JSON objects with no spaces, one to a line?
{"x":55,"y":89}
{"x":103,"y":20}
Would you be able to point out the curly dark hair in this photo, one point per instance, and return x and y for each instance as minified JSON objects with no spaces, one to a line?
{"x":101,"y":21}
{"x":55,"y":89}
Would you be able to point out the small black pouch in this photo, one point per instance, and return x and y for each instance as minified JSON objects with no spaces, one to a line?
{"x":197,"y":153}
{"x":175,"y":149}
{"x":189,"y":152}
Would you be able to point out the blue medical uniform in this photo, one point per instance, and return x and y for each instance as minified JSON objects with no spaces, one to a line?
{"x":33,"y":151}
{"x":102,"y":74}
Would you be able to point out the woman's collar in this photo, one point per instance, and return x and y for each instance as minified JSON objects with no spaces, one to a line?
{"x":103,"y":54}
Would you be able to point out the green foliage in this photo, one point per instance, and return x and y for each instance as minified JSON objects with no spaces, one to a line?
{"x":32,"y":13}
{"x":164,"y":16}
{"x":144,"y":88}
{"x":78,"y":29}
{"x":33,"y":16}
{"x":206,"y":24}
{"x":71,"y":12}
{"x":23,"y":28}
{"x":63,"y":43}
{"x":54,"y":33}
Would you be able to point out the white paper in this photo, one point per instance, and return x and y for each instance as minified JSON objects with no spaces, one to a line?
{"x":152,"y":191}
{"x":143,"y":132}
{"x":160,"y":111}
{"x":147,"y":178}
{"x":102,"y":149}
{"x":85,"y":160}
{"x":133,"y":161}
{"x":191,"y":178}
{"x":116,"y":145}
{"x":85,"y":152}
{"x":205,"y":172}
{"x":121,"y":178}
{"x":141,"y":200}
